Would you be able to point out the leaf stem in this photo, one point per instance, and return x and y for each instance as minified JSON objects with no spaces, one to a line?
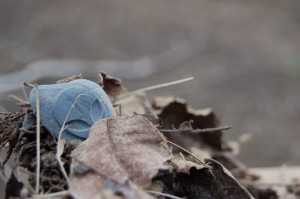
{"x":207,"y":130}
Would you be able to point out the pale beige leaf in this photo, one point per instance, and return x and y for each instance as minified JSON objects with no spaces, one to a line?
{"x":132,"y":104}
{"x":93,"y":185}
{"x":124,"y":148}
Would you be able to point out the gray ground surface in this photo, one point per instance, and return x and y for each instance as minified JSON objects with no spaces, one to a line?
{"x":244,"y":55}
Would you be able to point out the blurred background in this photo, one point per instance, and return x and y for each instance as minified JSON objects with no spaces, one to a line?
{"x":244,"y":55}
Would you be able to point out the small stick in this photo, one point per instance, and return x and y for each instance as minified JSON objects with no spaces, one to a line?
{"x":187,"y":152}
{"x":207,"y":130}
{"x":266,"y":184}
{"x":24,"y":92}
{"x":38,"y":140}
{"x":162,"y":85}
{"x":17,"y":117}
{"x":58,"y":139}
{"x":29,"y":84}
{"x":18,"y":99}
{"x":162,"y":194}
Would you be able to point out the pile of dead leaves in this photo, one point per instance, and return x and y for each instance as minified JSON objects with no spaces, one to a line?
{"x":163,"y":149}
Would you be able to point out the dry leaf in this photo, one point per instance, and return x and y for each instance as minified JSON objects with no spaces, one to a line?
{"x":231,"y":163}
{"x":125,"y":103}
{"x":111,"y":85}
{"x":200,"y":154}
{"x":128,"y":190}
{"x":182,"y":165}
{"x":124,"y":148}
{"x":89,"y":185}
{"x":156,"y":121}
{"x":286,"y":176}
{"x":259,"y":193}
{"x":215,"y":183}
{"x":174,"y":111}
{"x":132,"y":104}
{"x":93,"y":185}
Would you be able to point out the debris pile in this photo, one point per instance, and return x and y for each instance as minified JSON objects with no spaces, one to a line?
{"x":84,"y":148}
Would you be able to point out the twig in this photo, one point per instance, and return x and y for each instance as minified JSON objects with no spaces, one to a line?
{"x":24,"y":92}
{"x":162,"y":85}
{"x":17,"y":117}
{"x":51,"y":195}
{"x":38,"y":140}
{"x":187,"y":152}
{"x":207,"y":130}
{"x":267,"y":184}
{"x":29,"y":84}
{"x":162,"y":194}
{"x":58,"y":139}
{"x":18,"y":99}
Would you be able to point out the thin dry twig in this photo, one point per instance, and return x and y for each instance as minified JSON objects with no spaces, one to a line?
{"x":29,"y":84}
{"x":24,"y":92}
{"x":59,"y":138}
{"x":266,"y":184}
{"x":162,"y":194}
{"x":17,"y":117}
{"x":207,"y":130}
{"x":38,"y":139}
{"x":18,"y":99}
{"x":188,"y":152}
{"x":162,"y":85}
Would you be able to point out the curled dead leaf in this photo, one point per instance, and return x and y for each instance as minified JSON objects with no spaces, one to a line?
{"x":111,"y":85}
{"x":175,"y":113}
{"x":216,"y":182}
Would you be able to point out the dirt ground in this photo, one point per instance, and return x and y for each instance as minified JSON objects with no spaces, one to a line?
{"x":243,"y":54}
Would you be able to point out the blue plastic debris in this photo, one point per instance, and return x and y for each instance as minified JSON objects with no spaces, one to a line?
{"x":90,"y":105}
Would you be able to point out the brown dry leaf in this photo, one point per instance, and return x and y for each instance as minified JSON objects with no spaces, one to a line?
{"x":132,"y":104}
{"x":239,"y":169}
{"x":216,"y":182}
{"x":126,"y":104}
{"x":174,"y":111}
{"x":111,"y":85}
{"x":123,"y":148}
